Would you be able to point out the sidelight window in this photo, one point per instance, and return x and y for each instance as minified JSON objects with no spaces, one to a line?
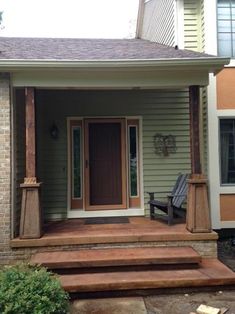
{"x":76,"y":161}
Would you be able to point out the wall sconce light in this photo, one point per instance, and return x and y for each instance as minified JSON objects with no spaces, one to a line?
{"x":54,"y":131}
{"x":164,"y":144}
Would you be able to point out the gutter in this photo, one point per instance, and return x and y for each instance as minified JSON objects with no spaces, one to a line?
{"x":214,"y":63}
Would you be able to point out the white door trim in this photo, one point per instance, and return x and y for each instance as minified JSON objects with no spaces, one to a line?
{"x":82,"y":213}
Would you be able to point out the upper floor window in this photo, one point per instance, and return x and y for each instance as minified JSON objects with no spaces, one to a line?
{"x":226,"y":27}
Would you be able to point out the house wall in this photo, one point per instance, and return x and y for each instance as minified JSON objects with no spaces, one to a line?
{"x":159,"y":22}
{"x":223,"y":106}
{"x":165,"y":112}
{"x":220,"y":105}
{"x":5,"y":166}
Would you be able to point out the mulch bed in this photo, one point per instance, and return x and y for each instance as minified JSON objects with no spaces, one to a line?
{"x":226,"y":252}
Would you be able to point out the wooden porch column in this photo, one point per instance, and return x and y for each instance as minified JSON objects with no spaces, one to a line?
{"x":30,"y":220}
{"x":198,"y":213}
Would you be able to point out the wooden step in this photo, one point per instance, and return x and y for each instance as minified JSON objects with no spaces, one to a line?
{"x":211,"y":273}
{"x":117,"y":257}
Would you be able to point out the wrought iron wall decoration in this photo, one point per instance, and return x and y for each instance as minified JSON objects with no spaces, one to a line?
{"x":164,"y":144}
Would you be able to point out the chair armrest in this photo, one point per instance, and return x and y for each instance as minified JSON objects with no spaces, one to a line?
{"x":165,"y":192}
{"x":151,"y":194}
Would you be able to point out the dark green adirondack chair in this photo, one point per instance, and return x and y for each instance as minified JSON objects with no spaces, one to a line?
{"x":172,"y":210}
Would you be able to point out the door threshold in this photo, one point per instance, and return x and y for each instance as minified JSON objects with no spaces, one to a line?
{"x":105,"y":213}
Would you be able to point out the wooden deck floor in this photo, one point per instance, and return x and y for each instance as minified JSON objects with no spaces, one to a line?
{"x":139,"y":229}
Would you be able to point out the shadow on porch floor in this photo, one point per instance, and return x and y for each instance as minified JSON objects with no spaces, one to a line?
{"x":139,"y":229}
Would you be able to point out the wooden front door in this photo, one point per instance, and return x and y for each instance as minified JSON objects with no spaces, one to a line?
{"x":105,"y":164}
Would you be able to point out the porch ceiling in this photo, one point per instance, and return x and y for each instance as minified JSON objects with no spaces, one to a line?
{"x":91,"y":63}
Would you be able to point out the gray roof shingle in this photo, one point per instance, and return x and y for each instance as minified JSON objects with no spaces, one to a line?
{"x":89,"y":49}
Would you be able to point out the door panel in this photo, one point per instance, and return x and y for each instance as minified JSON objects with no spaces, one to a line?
{"x":105,"y":166}
{"x":105,"y":163}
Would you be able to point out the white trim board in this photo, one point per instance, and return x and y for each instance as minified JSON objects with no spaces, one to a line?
{"x":210,"y":20}
{"x":213,"y":155}
{"x":226,"y":113}
{"x":227,"y":189}
{"x":179,"y":23}
{"x":227,"y":224}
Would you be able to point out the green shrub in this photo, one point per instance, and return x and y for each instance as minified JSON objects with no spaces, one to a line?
{"x":26,"y":289}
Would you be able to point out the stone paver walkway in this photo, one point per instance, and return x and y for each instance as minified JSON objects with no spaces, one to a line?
{"x":179,"y":303}
{"x":109,"y":306}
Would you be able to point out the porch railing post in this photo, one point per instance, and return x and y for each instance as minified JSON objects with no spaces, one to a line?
{"x":30,"y":220}
{"x":198,"y":212}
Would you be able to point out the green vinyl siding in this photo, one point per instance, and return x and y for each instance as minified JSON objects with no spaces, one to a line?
{"x":193,"y":24}
{"x":163,"y":112}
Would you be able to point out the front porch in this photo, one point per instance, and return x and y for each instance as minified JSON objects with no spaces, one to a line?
{"x":85,"y":146}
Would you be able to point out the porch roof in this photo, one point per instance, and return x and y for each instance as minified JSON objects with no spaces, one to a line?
{"x":122,"y":63}
{"x":80,"y":50}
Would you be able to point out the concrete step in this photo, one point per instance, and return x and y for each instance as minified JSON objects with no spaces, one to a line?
{"x":211,"y":273}
{"x":112,"y":257}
